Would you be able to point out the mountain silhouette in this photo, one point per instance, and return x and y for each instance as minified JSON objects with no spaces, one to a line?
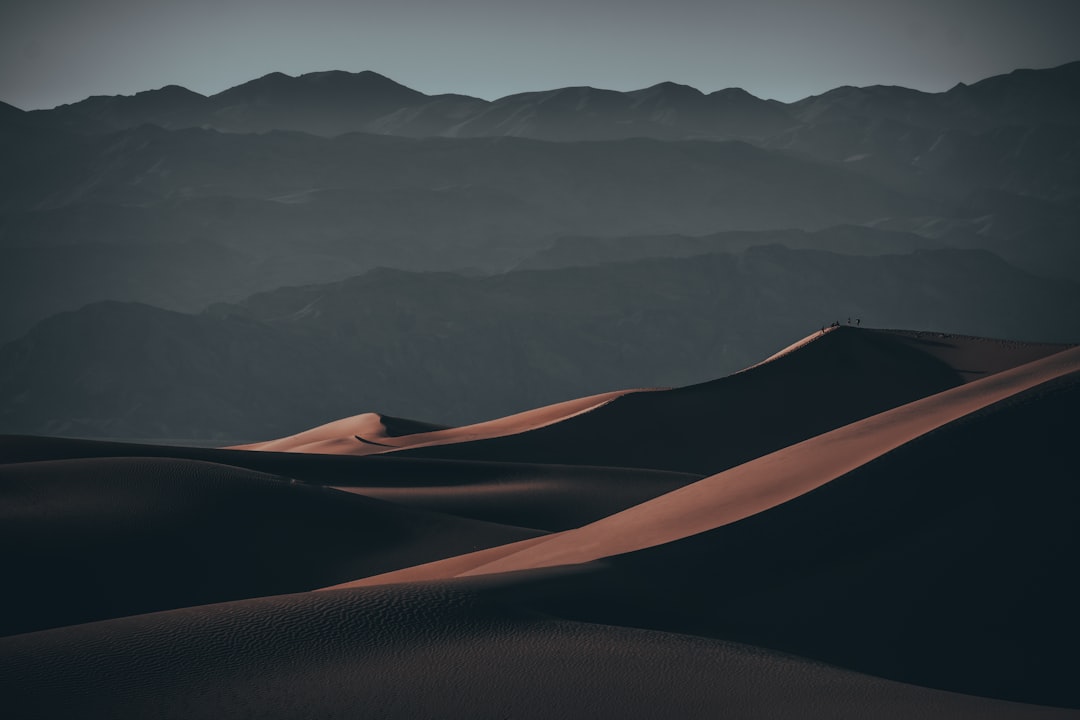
{"x":335,"y":102}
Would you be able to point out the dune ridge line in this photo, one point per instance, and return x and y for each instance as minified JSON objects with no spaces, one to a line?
{"x":750,"y":488}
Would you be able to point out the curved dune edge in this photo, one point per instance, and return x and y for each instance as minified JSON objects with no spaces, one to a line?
{"x":822,"y":383}
{"x":750,"y":488}
{"x":366,"y":425}
{"x":339,"y":438}
{"x":779,"y":477}
{"x":372,"y":430}
{"x":797,"y":345}
{"x":365,"y":434}
{"x":972,"y":358}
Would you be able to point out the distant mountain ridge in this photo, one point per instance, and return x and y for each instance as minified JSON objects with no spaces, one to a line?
{"x":187,"y":217}
{"x":336,"y":102}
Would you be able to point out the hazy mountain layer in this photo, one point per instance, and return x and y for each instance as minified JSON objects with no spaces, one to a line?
{"x":99,"y":204}
{"x":846,"y":240}
{"x":182,"y":219}
{"x":453,"y":349}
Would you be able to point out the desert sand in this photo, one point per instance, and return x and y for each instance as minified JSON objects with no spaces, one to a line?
{"x":802,"y":391}
{"x":372,"y":429}
{"x":366,"y":434}
{"x":772,"y":479}
{"x":867,"y":524}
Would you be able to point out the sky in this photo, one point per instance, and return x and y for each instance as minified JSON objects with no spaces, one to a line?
{"x":60,"y":51}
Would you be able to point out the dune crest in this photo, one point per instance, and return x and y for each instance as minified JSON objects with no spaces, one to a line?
{"x":975,"y":357}
{"x":371,"y":429}
{"x":825,"y":380}
{"x":781,"y":476}
{"x":750,"y":488}
{"x":367,"y":425}
{"x":366,"y":434}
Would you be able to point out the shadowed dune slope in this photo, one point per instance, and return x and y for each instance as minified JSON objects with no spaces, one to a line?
{"x":448,"y":650}
{"x":546,"y":497}
{"x":754,"y":486}
{"x":948,"y":563}
{"x":826,"y":381}
{"x":942,"y":555}
{"x":89,"y":539}
{"x":976,"y":357}
{"x":788,"y":473}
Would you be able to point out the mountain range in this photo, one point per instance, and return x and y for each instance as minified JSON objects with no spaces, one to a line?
{"x":174,"y":202}
{"x":337,"y":102}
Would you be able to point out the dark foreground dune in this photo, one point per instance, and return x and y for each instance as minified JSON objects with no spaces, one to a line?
{"x":546,"y":497}
{"x":898,"y":541}
{"x":441,"y":650}
{"x":108,"y":537}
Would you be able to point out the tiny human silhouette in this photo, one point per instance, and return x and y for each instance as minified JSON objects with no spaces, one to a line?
{"x":858,"y":321}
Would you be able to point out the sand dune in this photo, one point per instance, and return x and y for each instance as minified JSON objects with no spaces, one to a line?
{"x":822,"y":382}
{"x":754,"y":486}
{"x":370,"y":429}
{"x":545,"y":497}
{"x":118,"y":536}
{"x":430,"y":651}
{"x":976,"y":357}
{"x":942,"y":561}
{"x":945,"y":563}
{"x":768,"y":481}
{"x":363,"y":434}
{"x":825,"y":381}
{"x":899,"y":505}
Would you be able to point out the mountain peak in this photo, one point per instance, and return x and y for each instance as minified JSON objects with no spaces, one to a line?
{"x":268,"y":81}
{"x":735,"y":94}
{"x":365,"y":77}
{"x":670,"y":86}
{"x":322,"y":85}
{"x":171,"y":92}
{"x":366,"y":81}
{"x":669,"y":91}
{"x":272,"y":77}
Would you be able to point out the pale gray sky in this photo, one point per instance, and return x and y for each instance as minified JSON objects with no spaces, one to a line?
{"x":58,"y":51}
